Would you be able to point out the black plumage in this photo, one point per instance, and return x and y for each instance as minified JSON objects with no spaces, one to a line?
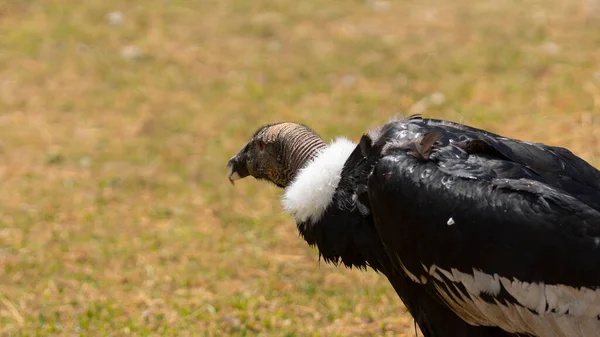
{"x":526,"y":211}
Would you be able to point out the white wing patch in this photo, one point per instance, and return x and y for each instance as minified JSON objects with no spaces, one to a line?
{"x":312,"y":190}
{"x":542,"y":309}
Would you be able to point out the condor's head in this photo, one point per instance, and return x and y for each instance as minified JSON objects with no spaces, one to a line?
{"x":294,"y":157}
{"x":275,"y":153}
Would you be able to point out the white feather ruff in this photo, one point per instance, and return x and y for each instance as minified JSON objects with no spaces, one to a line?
{"x":312,"y":190}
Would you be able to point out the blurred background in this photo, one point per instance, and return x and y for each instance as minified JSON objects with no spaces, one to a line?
{"x":117,"y":119}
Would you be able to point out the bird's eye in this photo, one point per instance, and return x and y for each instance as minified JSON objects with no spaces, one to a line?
{"x":261,"y":145}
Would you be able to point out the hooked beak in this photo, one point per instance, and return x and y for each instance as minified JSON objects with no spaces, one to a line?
{"x":237,"y":168}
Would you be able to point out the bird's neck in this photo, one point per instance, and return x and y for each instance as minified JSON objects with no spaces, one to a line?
{"x":313,"y":187}
{"x":299,"y":150}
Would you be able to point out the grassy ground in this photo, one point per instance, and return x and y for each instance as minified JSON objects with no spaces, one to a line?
{"x":116,"y":217}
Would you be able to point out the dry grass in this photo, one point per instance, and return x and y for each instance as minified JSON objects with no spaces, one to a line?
{"x":116,"y":215}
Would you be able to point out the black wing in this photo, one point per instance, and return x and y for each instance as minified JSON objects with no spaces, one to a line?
{"x":481,"y":221}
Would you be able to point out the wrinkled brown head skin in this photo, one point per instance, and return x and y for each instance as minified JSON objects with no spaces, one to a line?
{"x":275,"y":153}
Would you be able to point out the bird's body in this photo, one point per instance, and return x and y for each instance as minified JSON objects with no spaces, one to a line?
{"x":480,"y":235}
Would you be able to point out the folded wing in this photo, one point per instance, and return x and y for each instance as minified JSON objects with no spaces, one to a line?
{"x":504,"y":232}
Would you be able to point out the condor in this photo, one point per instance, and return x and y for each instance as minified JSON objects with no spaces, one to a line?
{"x":479,"y":234}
